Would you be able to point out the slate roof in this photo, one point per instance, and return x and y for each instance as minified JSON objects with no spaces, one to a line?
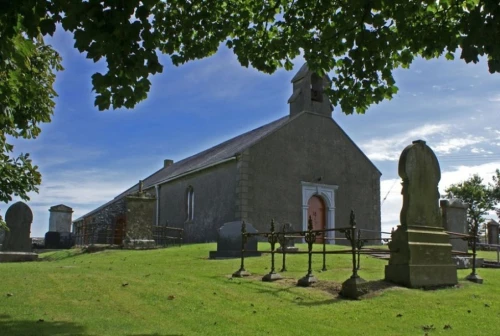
{"x":207,"y":158}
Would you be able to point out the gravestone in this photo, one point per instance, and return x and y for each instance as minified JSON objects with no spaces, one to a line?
{"x":420,"y":250}
{"x":52,"y":240}
{"x":59,"y":240}
{"x":289,"y":242}
{"x":2,"y":236}
{"x":60,"y":218}
{"x":141,"y":209}
{"x":229,"y":241}
{"x":17,"y":242}
{"x":492,"y":227}
{"x":454,"y":216}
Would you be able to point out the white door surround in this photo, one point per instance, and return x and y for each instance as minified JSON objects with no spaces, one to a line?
{"x":327,"y":194}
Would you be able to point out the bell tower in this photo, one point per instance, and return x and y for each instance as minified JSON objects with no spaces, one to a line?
{"x":309,"y":93}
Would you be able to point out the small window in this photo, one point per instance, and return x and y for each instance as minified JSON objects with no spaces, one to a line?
{"x":316,"y":88}
{"x":190,"y":203}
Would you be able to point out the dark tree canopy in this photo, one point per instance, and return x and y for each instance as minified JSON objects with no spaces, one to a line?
{"x":360,"y":42}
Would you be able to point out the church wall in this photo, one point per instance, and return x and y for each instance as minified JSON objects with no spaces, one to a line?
{"x":214,"y":202}
{"x":311,"y":148}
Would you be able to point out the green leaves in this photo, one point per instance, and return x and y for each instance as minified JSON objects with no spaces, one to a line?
{"x":27,"y":76}
{"x":47,"y":26}
{"x":360,"y":42}
{"x":480,"y":198}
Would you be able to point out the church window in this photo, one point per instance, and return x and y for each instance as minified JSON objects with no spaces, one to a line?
{"x":316,"y":88}
{"x":190,"y":203}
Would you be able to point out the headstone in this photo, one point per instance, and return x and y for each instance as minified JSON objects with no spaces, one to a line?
{"x":420,"y":251}
{"x":60,"y":218}
{"x":17,"y":242}
{"x":2,"y":236}
{"x":52,"y":240}
{"x":289,"y":242}
{"x":141,"y":209}
{"x":18,"y":218}
{"x":229,"y":241}
{"x":492,"y":227}
{"x":67,"y":240}
{"x":454,"y":216}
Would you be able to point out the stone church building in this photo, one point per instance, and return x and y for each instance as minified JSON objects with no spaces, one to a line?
{"x":300,"y":165}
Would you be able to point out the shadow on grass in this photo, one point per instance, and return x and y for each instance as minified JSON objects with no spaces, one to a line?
{"x":370,"y":289}
{"x":155,"y":334}
{"x":60,"y":255}
{"x":40,"y":328}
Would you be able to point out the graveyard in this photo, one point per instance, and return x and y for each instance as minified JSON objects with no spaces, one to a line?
{"x":427,"y":282}
{"x":179,"y":291}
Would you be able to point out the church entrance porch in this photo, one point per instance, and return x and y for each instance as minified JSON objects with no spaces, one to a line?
{"x":318,"y":201}
{"x":316,"y":210}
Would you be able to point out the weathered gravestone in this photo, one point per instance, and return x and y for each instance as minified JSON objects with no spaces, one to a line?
{"x":141,"y":208}
{"x":420,"y":250}
{"x":289,"y":242}
{"x":492,"y":227}
{"x":59,"y":240}
{"x":60,"y":218}
{"x":17,"y":241}
{"x":454,"y":217}
{"x":229,"y":241}
{"x":2,"y":236}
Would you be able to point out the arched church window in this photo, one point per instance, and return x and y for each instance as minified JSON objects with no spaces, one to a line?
{"x":190,"y":203}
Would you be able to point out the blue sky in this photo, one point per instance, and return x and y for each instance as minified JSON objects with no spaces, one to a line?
{"x":87,"y":157}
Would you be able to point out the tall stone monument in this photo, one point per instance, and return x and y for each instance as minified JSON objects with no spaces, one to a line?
{"x":420,"y":250}
{"x":17,"y":242}
{"x":141,"y":208}
{"x":60,"y":218}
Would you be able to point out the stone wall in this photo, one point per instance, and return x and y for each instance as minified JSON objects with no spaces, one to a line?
{"x":104,"y":220}
{"x":109,"y":213}
{"x":214,"y":202}
{"x":310,"y":148}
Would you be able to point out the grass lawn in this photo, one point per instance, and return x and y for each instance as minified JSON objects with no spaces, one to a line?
{"x":178,"y":291}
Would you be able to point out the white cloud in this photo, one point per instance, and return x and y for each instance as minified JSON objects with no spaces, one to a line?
{"x":455,"y":144}
{"x":495,"y":98}
{"x":389,"y":148}
{"x":391,"y":207}
{"x":83,"y":190}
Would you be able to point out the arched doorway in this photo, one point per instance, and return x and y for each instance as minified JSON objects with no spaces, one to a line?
{"x":316,"y":210}
{"x":119,"y":231}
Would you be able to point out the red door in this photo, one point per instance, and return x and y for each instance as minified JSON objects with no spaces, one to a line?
{"x":119,"y":231}
{"x":316,"y":210}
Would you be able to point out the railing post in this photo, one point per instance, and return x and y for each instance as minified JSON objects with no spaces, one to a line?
{"x":310,"y":238}
{"x":272,"y":238}
{"x":351,"y":287}
{"x":359,"y":245}
{"x":283,"y":243}
{"x":242,"y":272}
{"x":324,"y":252}
{"x":473,"y":277}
